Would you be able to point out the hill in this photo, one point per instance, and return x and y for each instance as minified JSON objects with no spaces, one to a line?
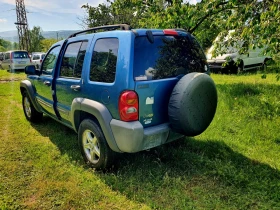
{"x":12,"y":36}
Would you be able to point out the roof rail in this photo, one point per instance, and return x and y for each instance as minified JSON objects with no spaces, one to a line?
{"x":105,"y":28}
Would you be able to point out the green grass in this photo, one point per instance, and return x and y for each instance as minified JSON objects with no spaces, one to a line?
{"x":234,"y":164}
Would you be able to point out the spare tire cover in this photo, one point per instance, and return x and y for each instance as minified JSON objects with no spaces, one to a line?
{"x":192,"y":104}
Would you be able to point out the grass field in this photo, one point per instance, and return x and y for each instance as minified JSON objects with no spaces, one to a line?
{"x":234,"y":164}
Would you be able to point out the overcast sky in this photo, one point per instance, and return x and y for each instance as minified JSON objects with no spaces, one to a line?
{"x":50,"y":15}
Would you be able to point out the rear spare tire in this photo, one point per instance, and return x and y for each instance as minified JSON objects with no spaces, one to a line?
{"x":192,"y":104}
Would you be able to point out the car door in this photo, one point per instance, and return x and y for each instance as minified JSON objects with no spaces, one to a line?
{"x":69,"y":82}
{"x":6,"y":61}
{"x":44,"y":82}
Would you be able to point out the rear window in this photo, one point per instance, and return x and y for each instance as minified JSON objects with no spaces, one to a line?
{"x":36,"y":57}
{"x":167,"y":57}
{"x":19,"y":55}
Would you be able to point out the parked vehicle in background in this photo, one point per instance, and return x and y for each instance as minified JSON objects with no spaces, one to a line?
{"x":15,"y":60}
{"x":1,"y":56}
{"x":1,"y":59}
{"x":123,"y":90}
{"x":233,"y":62}
{"x":37,"y":59}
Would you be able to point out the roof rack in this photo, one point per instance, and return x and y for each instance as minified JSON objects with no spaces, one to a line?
{"x":105,"y":28}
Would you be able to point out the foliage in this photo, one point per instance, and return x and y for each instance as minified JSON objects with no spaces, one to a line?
{"x":115,"y":12}
{"x":6,"y":45}
{"x":36,"y":37}
{"x":46,"y":44}
{"x":255,"y":22}
{"x":2,"y":49}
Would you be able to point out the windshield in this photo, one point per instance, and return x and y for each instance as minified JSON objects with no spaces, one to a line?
{"x":20,"y":55}
{"x":167,"y":57}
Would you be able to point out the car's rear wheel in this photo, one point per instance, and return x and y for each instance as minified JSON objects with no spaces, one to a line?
{"x":11,"y":69}
{"x":240,"y":68}
{"x":30,"y":112}
{"x":93,"y":145}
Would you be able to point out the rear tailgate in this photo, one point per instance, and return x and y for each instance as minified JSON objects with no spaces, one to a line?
{"x":159,"y":62}
{"x":21,"y":59}
{"x":153,"y":100}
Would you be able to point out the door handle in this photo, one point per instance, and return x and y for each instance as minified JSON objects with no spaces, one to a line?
{"x":75,"y":87}
{"x":47,"y":83}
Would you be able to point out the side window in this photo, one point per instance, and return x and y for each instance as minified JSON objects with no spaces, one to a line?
{"x":104,"y":60}
{"x":50,"y":61}
{"x":73,"y":59}
{"x":7,"y":56}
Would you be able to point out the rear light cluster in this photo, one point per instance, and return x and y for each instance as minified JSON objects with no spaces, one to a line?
{"x":11,"y":57}
{"x":128,"y":106}
{"x":170,"y":32}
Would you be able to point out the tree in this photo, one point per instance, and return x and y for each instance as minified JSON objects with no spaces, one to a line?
{"x":116,"y":12}
{"x":35,"y":39}
{"x":256,"y":22}
{"x":46,"y":44}
{"x":6,"y":45}
{"x":2,"y":49}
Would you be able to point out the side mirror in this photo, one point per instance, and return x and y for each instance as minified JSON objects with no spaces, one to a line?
{"x":31,"y":70}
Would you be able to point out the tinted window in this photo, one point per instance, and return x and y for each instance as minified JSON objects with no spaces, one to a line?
{"x":73,"y":59}
{"x":7,"y":56}
{"x":104,"y":60}
{"x":20,"y":55}
{"x":36,"y":57}
{"x":167,"y":57}
{"x":50,"y":61}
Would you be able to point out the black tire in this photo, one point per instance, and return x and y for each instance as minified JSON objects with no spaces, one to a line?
{"x":264,"y":65}
{"x":240,"y":68}
{"x":93,"y":145}
{"x":11,"y":69}
{"x":30,"y":112}
{"x":192,"y":104}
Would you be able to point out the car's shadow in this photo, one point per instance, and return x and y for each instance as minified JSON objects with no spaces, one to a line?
{"x":208,"y":164}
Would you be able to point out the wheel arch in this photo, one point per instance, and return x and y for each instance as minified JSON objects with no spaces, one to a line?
{"x":26,"y":85}
{"x":82,"y":109}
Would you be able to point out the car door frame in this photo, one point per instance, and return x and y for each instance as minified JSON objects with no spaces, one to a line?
{"x":68,"y":84}
{"x":47,"y":102}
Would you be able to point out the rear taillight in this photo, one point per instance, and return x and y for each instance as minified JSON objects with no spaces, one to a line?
{"x":128,"y":106}
{"x":170,"y":32}
{"x":40,"y":61}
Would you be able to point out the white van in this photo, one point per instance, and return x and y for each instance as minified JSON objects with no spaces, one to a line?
{"x":233,"y":62}
{"x":15,"y":60}
{"x":37,"y":59}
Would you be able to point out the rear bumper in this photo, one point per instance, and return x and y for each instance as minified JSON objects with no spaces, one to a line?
{"x":132,"y":137}
{"x":18,"y":66}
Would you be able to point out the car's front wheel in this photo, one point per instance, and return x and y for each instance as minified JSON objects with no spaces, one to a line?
{"x":11,"y":69}
{"x":93,"y":145}
{"x":240,"y":68}
{"x":30,"y":112}
{"x":264,"y":65}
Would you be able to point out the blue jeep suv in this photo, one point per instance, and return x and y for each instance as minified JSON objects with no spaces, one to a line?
{"x":123,"y":89}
